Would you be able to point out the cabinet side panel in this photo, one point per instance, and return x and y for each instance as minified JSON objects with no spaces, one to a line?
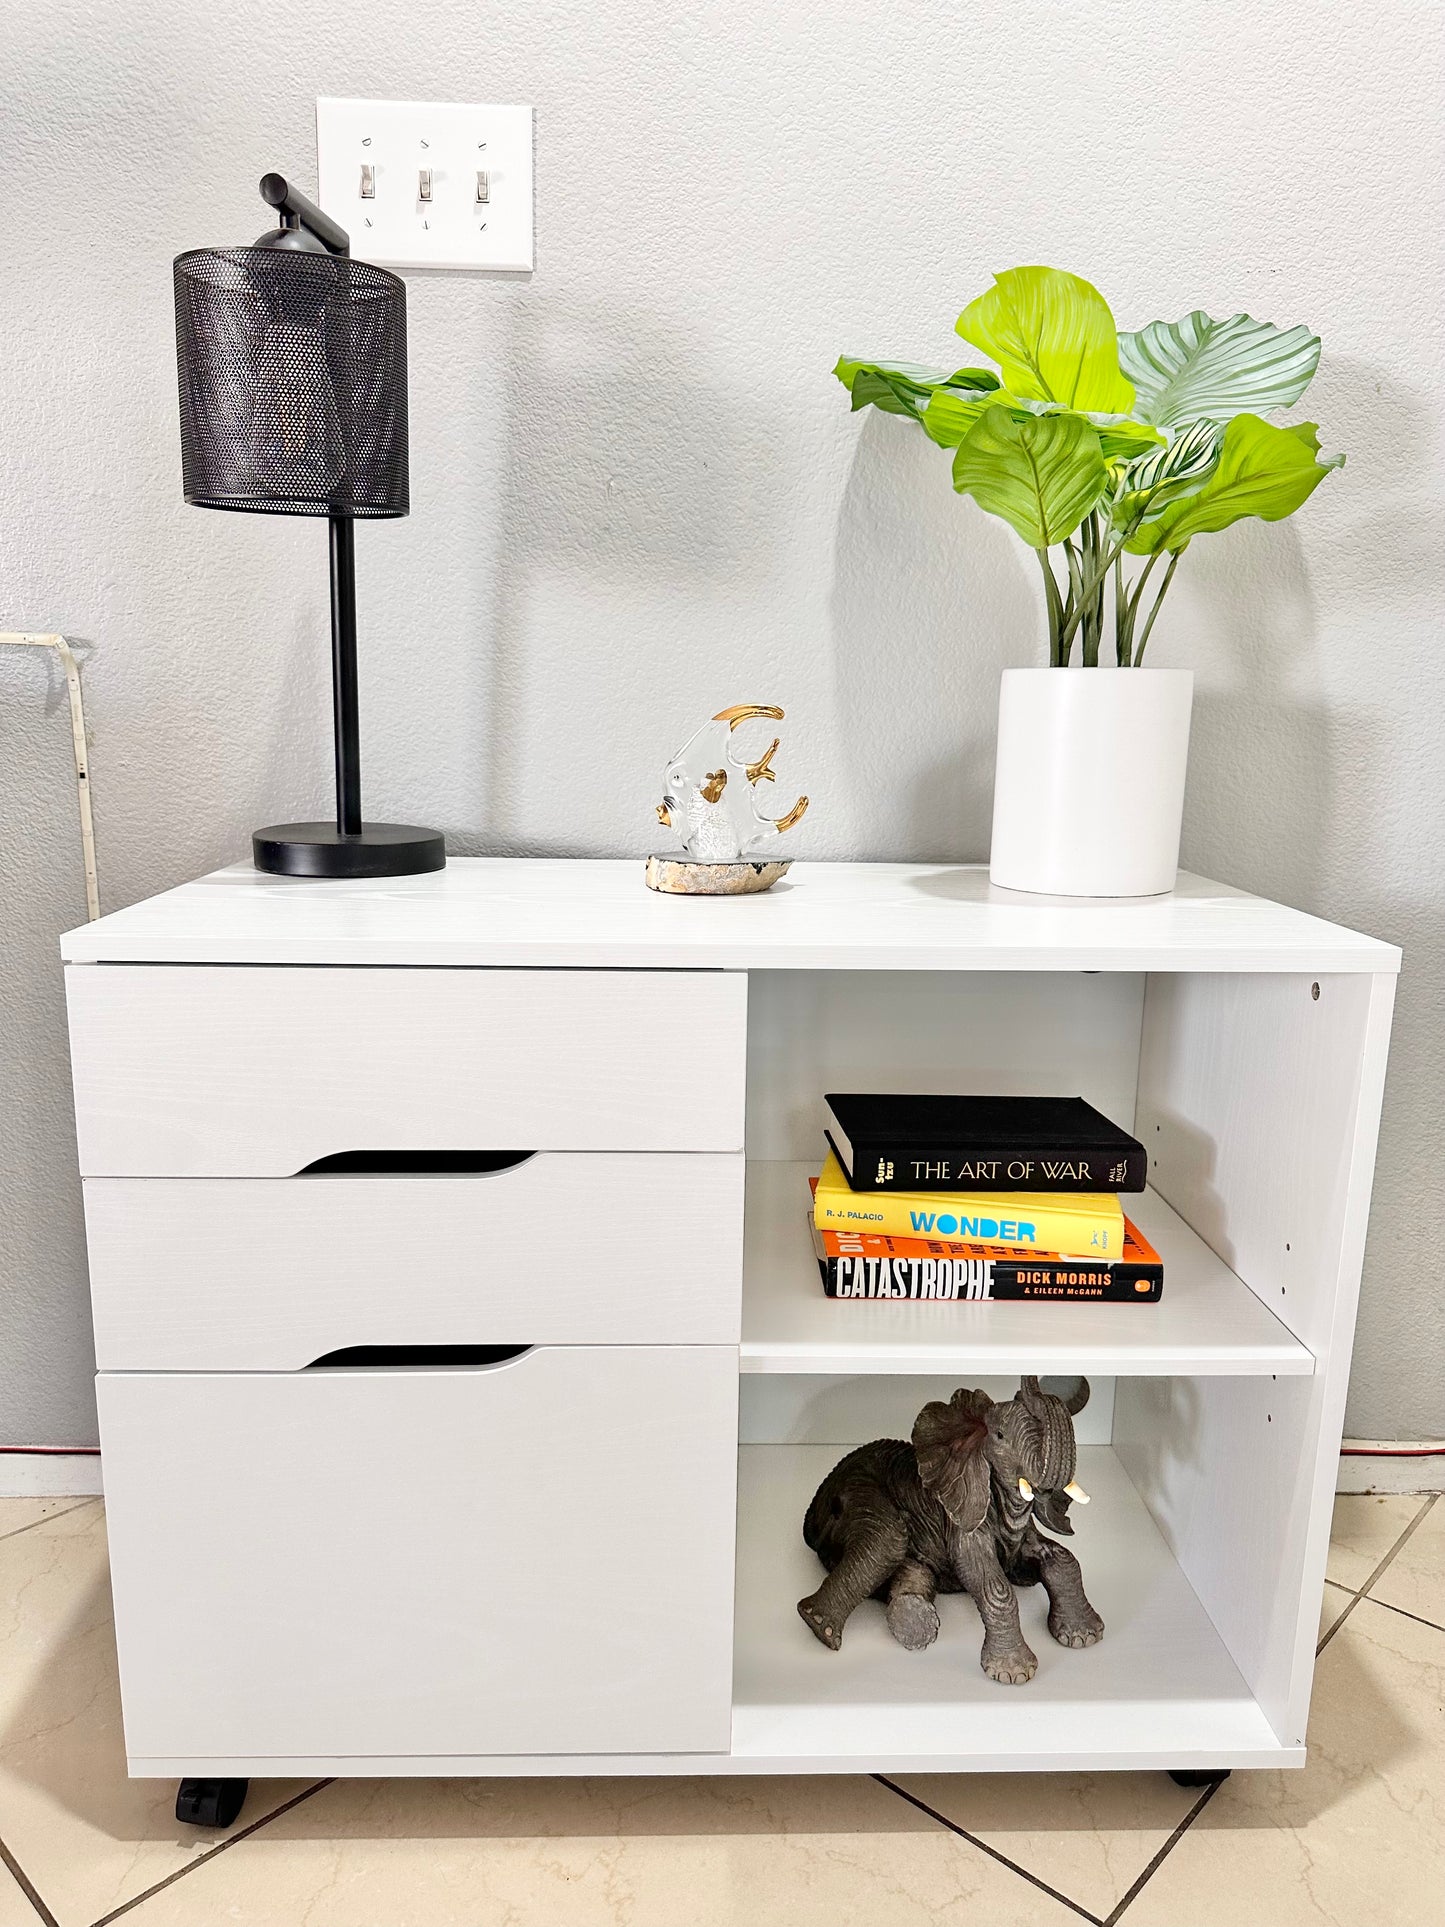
{"x":1260,"y":1105}
{"x":989,"y":1032}
{"x":1252,"y":1106}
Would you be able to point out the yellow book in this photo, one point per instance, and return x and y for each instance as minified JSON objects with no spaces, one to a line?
{"x":1077,"y":1224}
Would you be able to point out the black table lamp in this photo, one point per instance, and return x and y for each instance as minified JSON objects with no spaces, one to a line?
{"x":292,"y":364}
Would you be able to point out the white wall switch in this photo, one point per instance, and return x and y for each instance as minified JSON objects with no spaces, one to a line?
{"x":417,"y":186}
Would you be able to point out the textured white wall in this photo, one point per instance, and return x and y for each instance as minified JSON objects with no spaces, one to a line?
{"x":637,"y":493}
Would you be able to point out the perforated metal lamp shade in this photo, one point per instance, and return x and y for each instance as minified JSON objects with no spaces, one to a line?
{"x":291,"y":360}
{"x":292,"y":369}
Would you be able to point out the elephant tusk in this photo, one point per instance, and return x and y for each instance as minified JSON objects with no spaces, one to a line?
{"x":1026,"y":1489}
{"x":1076,"y":1492}
{"x":744,"y":712}
{"x":786,"y":822}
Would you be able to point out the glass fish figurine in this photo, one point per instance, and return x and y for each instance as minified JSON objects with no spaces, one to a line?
{"x":712,"y":795}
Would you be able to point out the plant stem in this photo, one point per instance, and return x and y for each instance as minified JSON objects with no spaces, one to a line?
{"x":1121,"y":614}
{"x":1088,"y":588}
{"x":1093,"y":624}
{"x":1056,"y":612}
{"x":1074,"y":563}
{"x":1163,"y":591}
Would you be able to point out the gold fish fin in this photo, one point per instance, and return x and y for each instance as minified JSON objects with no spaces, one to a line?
{"x":759,"y":771}
{"x":717,"y":782}
{"x":744,"y":712}
{"x":787,"y":822}
{"x":664,"y":815}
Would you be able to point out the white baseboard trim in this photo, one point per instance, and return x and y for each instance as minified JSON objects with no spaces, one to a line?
{"x":45,"y":1475}
{"x":48,"y":1475}
{"x":1366,"y":1470}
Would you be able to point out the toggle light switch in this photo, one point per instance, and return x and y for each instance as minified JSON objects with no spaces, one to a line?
{"x":445,"y":185}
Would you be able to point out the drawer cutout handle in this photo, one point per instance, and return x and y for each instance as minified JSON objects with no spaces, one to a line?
{"x":413,"y":1358}
{"x":416,"y":1164}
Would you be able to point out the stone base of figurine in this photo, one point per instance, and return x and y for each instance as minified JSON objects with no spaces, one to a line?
{"x":679,"y":876}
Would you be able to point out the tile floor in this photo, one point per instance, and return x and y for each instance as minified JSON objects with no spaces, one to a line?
{"x":1355,"y":1840}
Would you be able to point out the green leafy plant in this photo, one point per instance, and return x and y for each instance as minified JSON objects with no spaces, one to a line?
{"x":1094,"y":445}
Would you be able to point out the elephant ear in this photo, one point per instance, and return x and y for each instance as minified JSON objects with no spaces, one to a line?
{"x":953,"y":1467}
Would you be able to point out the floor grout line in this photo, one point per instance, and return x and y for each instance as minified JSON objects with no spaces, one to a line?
{"x":15,"y":1531}
{"x":1163,"y":1854}
{"x":992,"y":1852}
{"x":1419,"y":1618}
{"x":26,"y":1886}
{"x":1362,"y":1592}
{"x":204,"y":1859}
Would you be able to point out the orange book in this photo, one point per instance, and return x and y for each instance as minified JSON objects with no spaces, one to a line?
{"x":870,"y":1264}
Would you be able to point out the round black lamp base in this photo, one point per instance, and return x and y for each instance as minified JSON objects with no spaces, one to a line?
{"x":321,"y":850}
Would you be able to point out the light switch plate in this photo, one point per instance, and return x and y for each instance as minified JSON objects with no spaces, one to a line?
{"x":409,"y":146}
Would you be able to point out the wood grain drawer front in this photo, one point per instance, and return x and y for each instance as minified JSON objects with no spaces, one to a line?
{"x":535,"y":1557}
{"x":256,"y":1274}
{"x":198,"y":1071}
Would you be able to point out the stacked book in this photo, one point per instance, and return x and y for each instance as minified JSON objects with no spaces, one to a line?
{"x":979,"y":1197}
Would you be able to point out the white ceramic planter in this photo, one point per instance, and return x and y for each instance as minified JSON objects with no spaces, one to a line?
{"x":1089,"y":788}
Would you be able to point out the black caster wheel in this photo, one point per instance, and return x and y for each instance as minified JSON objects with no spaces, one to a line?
{"x":210,"y":1803}
{"x":1198,"y":1775}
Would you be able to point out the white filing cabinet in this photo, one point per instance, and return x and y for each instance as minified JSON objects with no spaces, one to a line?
{"x":462,"y":1384}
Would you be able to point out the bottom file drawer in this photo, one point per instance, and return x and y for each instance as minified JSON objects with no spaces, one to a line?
{"x":528,"y":1557}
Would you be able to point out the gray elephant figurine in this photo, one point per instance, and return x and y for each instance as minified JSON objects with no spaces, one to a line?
{"x":958,"y":1510}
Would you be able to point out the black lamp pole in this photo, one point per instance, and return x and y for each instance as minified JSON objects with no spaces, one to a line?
{"x":344,"y":691}
{"x":292,"y":366}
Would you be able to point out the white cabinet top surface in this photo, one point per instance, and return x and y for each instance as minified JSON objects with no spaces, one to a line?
{"x":586,"y":913}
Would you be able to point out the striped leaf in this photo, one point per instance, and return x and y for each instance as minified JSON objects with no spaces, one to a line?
{"x":1041,"y":473}
{"x":1203,"y":370}
{"x":1262,"y":470}
{"x":1152,"y":481}
{"x":1053,"y":338}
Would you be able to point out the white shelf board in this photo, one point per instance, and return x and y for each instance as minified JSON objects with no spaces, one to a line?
{"x":1207,"y":1322}
{"x":584,"y":913}
{"x":1159,"y":1690}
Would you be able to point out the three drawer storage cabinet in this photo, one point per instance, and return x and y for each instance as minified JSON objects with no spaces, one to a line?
{"x":463,"y":1368}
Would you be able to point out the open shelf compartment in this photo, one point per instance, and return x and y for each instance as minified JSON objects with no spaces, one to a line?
{"x":1207,"y":1322}
{"x":1160,"y":1689}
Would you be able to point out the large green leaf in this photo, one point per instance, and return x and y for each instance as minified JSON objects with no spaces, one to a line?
{"x":952,"y":412}
{"x":1053,"y":338}
{"x":1041,"y":473}
{"x":1122,"y":439}
{"x":903,"y":387}
{"x":1262,"y":470}
{"x":1119,"y":436}
{"x":1198,"y":369}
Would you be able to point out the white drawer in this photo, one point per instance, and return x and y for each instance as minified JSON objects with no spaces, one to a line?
{"x":185,"y":1071}
{"x":254,"y":1274}
{"x":534,"y":1557}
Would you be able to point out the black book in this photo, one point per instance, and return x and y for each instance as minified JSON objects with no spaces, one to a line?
{"x":898,"y":1143}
